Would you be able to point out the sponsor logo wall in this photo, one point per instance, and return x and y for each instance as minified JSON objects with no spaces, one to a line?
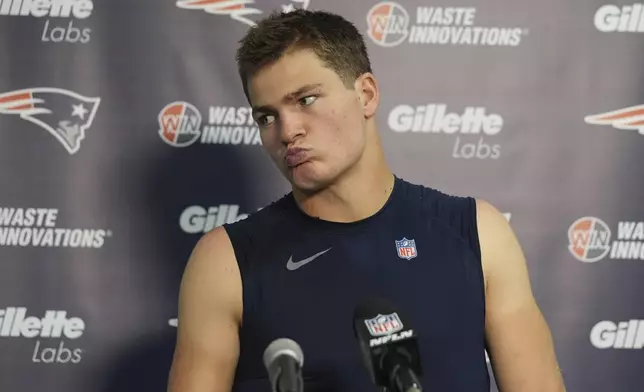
{"x":65,"y":114}
{"x":119,"y":149}
{"x":390,"y":24}
{"x":591,"y":240}
{"x":469,"y":129}
{"x":627,"y":335}
{"x":38,"y":227}
{"x":626,"y":18}
{"x":181,"y":125}
{"x":63,"y":21}
{"x":49,"y":334}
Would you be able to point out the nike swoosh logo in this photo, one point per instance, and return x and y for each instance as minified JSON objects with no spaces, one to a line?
{"x":292,"y":266}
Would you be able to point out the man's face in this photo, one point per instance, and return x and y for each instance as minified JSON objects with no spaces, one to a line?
{"x":310,"y":123}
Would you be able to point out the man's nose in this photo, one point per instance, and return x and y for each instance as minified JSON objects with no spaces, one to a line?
{"x":291,"y":126}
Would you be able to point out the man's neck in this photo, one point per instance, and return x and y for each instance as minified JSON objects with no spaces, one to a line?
{"x":354,"y":197}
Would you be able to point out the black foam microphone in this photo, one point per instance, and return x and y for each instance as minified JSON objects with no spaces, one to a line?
{"x":389,"y":346}
{"x":283,"y":359}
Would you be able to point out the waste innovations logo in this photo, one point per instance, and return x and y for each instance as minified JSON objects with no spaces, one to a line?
{"x":389,"y":24}
{"x":60,"y":17}
{"x":471,"y":129}
{"x":612,"y":18}
{"x":627,"y":119}
{"x":52,"y":333}
{"x":243,"y":11}
{"x":66,"y":115}
{"x":37,"y":227}
{"x":180,"y":125}
{"x":589,"y":240}
{"x":627,"y":335}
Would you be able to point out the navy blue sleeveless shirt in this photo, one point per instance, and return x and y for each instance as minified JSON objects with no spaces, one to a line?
{"x":303,"y":277}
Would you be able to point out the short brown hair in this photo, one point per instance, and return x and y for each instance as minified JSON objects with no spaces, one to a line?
{"x":335,"y":40}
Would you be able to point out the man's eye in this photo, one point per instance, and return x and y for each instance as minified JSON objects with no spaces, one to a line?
{"x":265,"y":120}
{"x":306,"y":101}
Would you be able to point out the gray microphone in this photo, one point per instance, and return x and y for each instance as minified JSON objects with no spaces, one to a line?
{"x":283,"y":359}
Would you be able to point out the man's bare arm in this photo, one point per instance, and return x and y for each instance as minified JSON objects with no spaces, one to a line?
{"x":520,"y":344}
{"x":210,"y":308}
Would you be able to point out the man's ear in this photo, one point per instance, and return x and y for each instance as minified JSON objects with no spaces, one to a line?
{"x":369,"y":94}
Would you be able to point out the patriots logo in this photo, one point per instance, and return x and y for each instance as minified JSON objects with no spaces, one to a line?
{"x":239,"y":10}
{"x":63,"y":113}
{"x":631,"y":118}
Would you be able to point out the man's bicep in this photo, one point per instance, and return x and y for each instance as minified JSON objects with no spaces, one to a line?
{"x":520,"y":349}
{"x":519,"y":340}
{"x":207,"y":349}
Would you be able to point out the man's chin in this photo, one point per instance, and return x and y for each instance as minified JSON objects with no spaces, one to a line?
{"x":305,"y":179}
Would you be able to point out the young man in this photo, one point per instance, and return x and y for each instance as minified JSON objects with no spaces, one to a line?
{"x":298,"y":267}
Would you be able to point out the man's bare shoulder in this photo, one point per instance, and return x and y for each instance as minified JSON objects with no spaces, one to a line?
{"x":210,"y":311}
{"x":216,"y":240}
{"x":496,"y":238}
{"x":215,"y":256}
{"x":214,"y":247}
{"x":520,"y":344}
{"x":212,"y":270}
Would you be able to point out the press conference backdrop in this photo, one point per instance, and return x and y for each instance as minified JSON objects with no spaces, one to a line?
{"x":125,"y":135}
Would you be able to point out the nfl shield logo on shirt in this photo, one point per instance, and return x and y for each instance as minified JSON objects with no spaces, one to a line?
{"x":384,"y":324}
{"x":406,"y":249}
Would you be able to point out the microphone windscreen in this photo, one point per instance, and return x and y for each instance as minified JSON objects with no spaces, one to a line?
{"x":283,"y":346}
